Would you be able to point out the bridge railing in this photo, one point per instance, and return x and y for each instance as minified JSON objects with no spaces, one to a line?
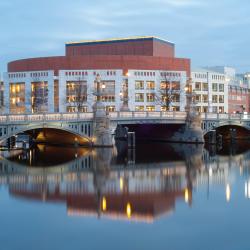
{"x":177,"y":115}
{"x":147,"y":114}
{"x":45,"y":117}
{"x":214,"y":116}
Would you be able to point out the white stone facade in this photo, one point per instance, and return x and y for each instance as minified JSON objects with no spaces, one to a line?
{"x":211,"y":89}
{"x":54,"y":92}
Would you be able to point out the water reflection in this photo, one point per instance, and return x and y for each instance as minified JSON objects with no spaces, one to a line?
{"x":138,"y":185}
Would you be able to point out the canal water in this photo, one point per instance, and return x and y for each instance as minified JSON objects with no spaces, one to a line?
{"x":157,"y":196}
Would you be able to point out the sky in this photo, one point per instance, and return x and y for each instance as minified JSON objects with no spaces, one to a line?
{"x":210,"y":33}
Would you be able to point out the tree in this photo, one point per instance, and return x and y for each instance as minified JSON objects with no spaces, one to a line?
{"x":39,"y":97}
{"x":76,"y":92}
{"x":168,"y":93}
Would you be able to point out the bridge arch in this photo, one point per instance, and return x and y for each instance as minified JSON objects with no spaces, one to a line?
{"x":207,"y":126}
{"x":52,"y":133}
{"x":242,"y":130}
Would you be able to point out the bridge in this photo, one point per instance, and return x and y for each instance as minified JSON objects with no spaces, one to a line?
{"x":83,"y":125}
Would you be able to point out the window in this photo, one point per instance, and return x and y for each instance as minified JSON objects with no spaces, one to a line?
{"x":197,"y":86}
{"x":150,"y":97}
{"x":214,"y":99}
{"x":108,"y":93}
{"x":139,"y":108}
{"x":17,"y":98}
{"x":221,"y":109}
{"x":76,"y":95}
{"x":198,"y":98}
{"x":221,"y":87}
{"x":139,"y":97}
{"x":165,"y":85}
{"x":214,"y":109}
{"x":108,"y":98}
{"x":215,"y":87}
{"x":221,"y":98}
{"x":150,"y":108}
{"x":110,"y":108}
{"x":205,"y":86}
{"x":205,"y":109}
{"x":150,"y":85}
{"x":176,"y":108}
{"x":39,"y":97}
{"x":198,"y":108}
{"x":176,"y":98}
{"x":139,"y":84}
{"x":205,"y":98}
{"x":175,"y":85}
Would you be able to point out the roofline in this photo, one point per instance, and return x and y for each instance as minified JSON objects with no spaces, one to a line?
{"x":115,"y":40}
{"x":204,"y":70}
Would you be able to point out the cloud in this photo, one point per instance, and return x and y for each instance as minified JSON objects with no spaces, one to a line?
{"x":205,"y":31}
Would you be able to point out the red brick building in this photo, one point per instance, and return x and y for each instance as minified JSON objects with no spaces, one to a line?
{"x":145,"y":53}
{"x":238,"y":99}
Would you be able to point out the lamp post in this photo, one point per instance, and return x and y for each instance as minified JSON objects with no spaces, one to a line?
{"x":99,"y":87}
{"x":101,"y":129}
{"x":124,"y":97}
{"x":193,"y":131}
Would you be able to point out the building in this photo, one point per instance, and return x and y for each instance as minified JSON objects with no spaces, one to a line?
{"x":137,"y":68}
{"x":239,"y":95}
{"x":211,"y":91}
{"x":238,"y":89}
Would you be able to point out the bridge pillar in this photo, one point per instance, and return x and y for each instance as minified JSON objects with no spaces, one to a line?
{"x":101,"y":127}
{"x":192,"y":133}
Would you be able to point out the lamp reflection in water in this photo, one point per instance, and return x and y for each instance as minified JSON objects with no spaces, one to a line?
{"x":247,"y":189}
{"x":186,"y":195}
{"x":128,"y":210}
{"x":228,"y":192}
{"x":121,"y":183}
{"x":104,"y":204}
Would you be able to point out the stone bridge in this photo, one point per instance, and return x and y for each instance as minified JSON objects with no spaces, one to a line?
{"x":82,"y":125}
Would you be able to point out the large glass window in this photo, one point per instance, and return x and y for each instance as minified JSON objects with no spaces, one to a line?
{"x":56,"y":96}
{"x":17,"y":98}
{"x":108,"y":91}
{"x":39,"y":97}
{"x":76,"y":94}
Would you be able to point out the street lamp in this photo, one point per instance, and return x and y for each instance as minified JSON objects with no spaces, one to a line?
{"x":100,"y":86}
{"x":124,"y":96}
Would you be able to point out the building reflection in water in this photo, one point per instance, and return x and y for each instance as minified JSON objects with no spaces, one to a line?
{"x":141,"y":185}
